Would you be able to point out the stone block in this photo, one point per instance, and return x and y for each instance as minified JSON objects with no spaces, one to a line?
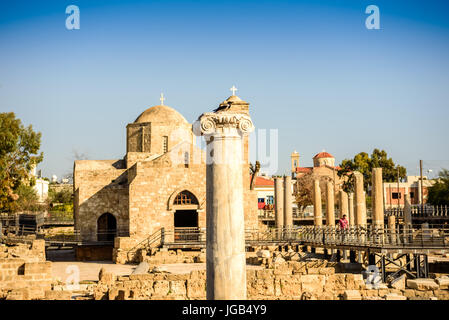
{"x":264,"y":287}
{"x":335,"y":282}
{"x":422,"y":284}
{"x":352,"y":295}
{"x":106,"y":277}
{"x":313,"y":283}
{"x":161,"y":287}
{"x":291,"y":286}
{"x":147,"y":276}
{"x":37,"y":268}
{"x":393,"y":296}
{"x":263,"y":254}
{"x":58,"y":295}
{"x":196,"y":289}
{"x":264,"y":274}
{"x":18,"y":294}
{"x":398,"y":283}
{"x":326,"y":271}
{"x":443,"y":282}
{"x":177,"y":288}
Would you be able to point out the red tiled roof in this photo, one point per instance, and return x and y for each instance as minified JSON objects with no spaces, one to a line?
{"x":303,"y":169}
{"x":310,"y":169}
{"x":323,"y":155}
{"x":261,"y":181}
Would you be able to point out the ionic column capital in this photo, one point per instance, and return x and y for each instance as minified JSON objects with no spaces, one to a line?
{"x":212,"y":123}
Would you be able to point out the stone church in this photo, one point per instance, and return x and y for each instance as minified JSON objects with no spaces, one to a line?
{"x":160,"y":182}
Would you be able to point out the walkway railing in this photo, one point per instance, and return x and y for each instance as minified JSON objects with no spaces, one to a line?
{"x":417,"y":211}
{"x":417,"y":236}
{"x":371,"y":236}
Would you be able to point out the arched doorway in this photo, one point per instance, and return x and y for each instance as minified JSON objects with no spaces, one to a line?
{"x":186,"y":216}
{"x":106,"y":227}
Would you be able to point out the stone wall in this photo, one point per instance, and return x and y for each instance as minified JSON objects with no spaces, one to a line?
{"x":292,"y":280}
{"x":153,"y":189}
{"x":34,"y":252}
{"x":24,"y":273}
{"x":20,"y":280}
{"x":99,"y":189}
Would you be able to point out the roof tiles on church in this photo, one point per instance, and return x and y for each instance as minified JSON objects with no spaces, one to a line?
{"x":262,"y":182}
{"x":323,"y":155}
{"x":304,"y":169}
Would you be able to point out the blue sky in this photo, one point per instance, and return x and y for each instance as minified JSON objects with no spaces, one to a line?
{"x":311,"y":70}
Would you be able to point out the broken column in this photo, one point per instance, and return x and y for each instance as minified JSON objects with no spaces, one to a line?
{"x":318,"y":219}
{"x":407,"y":219}
{"x":344,"y":204}
{"x":378,"y":204}
{"x":226,"y":260}
{"x":330,"y":214}
{"x":377,"y":198}
{"x":352,"y":253}
{"x":288,"y":210}
{"x":278,"y":202}
{"x":344,"y":212}
{"x":360,"y":209}
{"x":407,"y":211}
{"x":360,"y":203}
{"x":330,"y":205}
{"x":351,"y":209}
{"x":392,"y":228}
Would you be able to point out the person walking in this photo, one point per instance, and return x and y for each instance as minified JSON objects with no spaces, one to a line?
{"x":343,"y":225}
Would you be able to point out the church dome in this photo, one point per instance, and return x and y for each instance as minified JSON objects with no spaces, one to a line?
{"x":161,"y":114}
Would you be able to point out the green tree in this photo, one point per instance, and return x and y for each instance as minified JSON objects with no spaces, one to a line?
{"x":27,"y":201}
{"x":439,"y":192}
{"x":19,"y":147}
{"x":364,"y":163}
{"x":64,"y":196}
{"x":304,"y":189}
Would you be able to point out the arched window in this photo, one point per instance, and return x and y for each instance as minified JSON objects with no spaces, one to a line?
{"x":185,"y":198}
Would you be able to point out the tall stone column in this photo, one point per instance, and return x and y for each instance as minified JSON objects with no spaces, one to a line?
{"x":360,"y":203}
{"x":408,"y":236}
{"x":318,"y":218}
{"x":278,"y":202}
{"x":378,"y":199}
{"x":407,"y":211}
{"x":288,"y":210}
{"x":351,"y":209}
{"x":330,"y":205}
{"x":225,"y":241}
{"x":344,"y":204}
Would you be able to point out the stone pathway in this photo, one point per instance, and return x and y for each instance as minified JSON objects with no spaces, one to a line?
{"x":89,"y":270}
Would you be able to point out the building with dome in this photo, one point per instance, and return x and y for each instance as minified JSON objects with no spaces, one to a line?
{"x":160,"y":182}
{"x":323,"y":168}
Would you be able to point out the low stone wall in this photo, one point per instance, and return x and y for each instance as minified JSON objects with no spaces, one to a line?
{"x":124,"y":252}
{"x":33,"y":252}
{"x":315,"y":280}
{"x":24,"y":273}
{"x":20,"y":280}
{"x":171,"y":256}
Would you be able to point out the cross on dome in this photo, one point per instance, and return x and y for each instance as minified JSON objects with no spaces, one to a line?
{"x":162,"y":99}
{"x":233,"y":89}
